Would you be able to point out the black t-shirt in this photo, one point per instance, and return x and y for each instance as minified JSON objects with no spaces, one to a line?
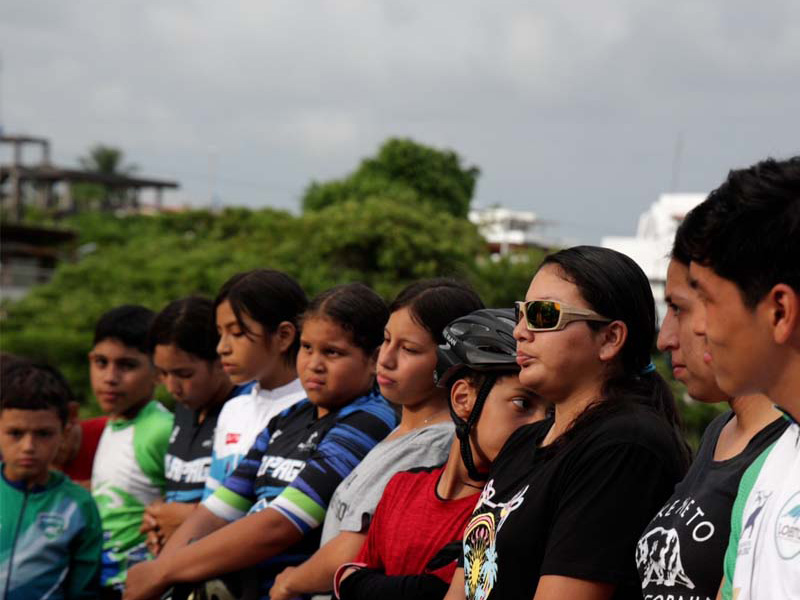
{"x":681,"y":552}
{"x":189,"y":455}
{"x":574,"y":509}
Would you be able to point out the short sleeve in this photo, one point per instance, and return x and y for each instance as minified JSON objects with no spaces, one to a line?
{"x":305,"y":500}
{"x":605,"y":500}
{"x":151,"y":441}
{"x":234,"y":497}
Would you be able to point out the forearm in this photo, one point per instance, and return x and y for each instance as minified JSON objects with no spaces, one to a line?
{"x":316,"y":574}
{"x":366,"y":584}
{"x":238,"y":545}
{"x":456,"y":591}
{"x":198,"y":524}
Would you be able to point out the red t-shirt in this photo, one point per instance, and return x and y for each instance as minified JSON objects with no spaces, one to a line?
{"x":80,"y":467}
{"x":412,"y":524}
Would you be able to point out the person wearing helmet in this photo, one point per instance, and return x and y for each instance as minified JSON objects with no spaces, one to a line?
{"x":414,"y":539}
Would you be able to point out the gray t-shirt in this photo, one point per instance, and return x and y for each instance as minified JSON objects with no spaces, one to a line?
{"x":354,"y":501}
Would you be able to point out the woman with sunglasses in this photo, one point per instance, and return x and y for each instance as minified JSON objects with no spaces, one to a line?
{"x":568,"y":497}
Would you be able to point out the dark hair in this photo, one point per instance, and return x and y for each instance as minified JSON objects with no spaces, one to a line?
{"x":128,"y":324}
{"x":267,"y":296}
{"x":29,"y":386}
{"x":748,"y":229}
{"x":616,"y":287}
{"x":189,"y":324}
{"x":355,"y":308}
{"x":433,"y":303}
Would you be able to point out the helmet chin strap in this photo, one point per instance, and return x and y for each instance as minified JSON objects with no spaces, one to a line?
{"x":463,"y":428}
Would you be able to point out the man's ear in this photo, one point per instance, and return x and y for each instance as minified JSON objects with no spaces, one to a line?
{"x":462,"y":398}
{"x":285,"y":334}
{"x":612,"y":339}
{"x":373,"y":361}
{"x":783,"y":309}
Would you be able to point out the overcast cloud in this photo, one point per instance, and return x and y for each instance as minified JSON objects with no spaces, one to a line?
{"x":571,"y":110}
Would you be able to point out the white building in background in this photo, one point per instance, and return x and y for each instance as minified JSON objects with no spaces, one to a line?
{"x":507,"y":230}
{"x":652,"y":244}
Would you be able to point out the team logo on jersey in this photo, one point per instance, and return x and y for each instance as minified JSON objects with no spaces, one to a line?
{"x":752,"y":522}
{"x":787,"y":528}
{"x":658,"y":558}
{"x":51,"y":524}
{"x":480,"y":551}
{"x":310,"y":444}
{"x":232,"y":438}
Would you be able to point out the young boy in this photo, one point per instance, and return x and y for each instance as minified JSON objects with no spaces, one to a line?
{"x":50,"y":533}
{"x":747,"y":274}
{"x":128,"y":471}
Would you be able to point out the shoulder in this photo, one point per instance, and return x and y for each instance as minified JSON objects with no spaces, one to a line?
{"x":77,"y":494}
{"x":441,"y":433}
{"x":412,"y":479}
{"x":523,"y":441}
{"x":373,"y":404}
{"x":238,"y":402}
{"x":635,"y":425}
{"x":154,"y":413}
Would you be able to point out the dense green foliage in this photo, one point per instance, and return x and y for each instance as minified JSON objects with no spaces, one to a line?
{"x":152,"y":260}
{"x":398,"y":218}
{"x":402,"y":170}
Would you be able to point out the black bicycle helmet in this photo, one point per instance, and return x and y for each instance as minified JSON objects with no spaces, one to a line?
{"x":481,"y":341}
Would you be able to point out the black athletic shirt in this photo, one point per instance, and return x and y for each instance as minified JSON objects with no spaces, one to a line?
{"x":574,"y":510}
{"x":681,"y":552}
{"x":188,"y":457}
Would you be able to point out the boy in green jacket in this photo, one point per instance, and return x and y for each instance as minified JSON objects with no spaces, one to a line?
{"x":50,"y":533}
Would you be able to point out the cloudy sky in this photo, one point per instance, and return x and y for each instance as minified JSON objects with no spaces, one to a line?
{"x":572,"y":110}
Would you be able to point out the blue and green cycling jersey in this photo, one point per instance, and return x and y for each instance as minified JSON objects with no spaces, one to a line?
{"x":50,"y":540}
{"x":296,"y":464}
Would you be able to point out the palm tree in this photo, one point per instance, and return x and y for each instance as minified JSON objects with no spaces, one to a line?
{"x":106,"y":160}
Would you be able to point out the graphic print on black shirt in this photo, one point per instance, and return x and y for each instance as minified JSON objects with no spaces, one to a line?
{"x":680,"y":554}
{"x":574,"y":509}
{"x":480,"y":535}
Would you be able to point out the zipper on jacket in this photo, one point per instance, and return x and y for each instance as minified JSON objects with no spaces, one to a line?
{"x":14,"y":543}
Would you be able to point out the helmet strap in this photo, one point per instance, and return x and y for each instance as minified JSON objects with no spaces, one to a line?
{"x":463,"y":427}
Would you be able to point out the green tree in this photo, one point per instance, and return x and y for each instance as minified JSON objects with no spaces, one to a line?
{"x":403,"y":170}
{"x":106,"y":160}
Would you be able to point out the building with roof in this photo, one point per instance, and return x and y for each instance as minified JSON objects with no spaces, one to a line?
{"x":651,"y":245}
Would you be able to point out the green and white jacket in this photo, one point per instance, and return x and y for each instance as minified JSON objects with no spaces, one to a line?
{"x":128,"y":474}
{"x":763,"y":556}
{"x":50,"y":540}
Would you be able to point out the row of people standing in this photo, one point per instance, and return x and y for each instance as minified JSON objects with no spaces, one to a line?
{"x":565,"y":500}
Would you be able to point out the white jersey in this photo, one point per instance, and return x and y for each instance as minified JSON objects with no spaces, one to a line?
{"x":763,"y":558}
{"x":241,"y":420}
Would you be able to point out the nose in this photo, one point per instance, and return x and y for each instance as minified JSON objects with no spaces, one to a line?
{"x":27,"y":443}
{"x":387,"y":356}
{"x":521,"y":332}
{"x":111,"y":374}
{"x":668,"y":334}
{"x":223,"y":348}
{"x":173,"y":385}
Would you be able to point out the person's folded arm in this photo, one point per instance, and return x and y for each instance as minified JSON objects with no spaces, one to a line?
{"x":316,"y":574}
{"x":198,"y":524}
{"x":456,"y":591}
{"x":240,"y":544}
